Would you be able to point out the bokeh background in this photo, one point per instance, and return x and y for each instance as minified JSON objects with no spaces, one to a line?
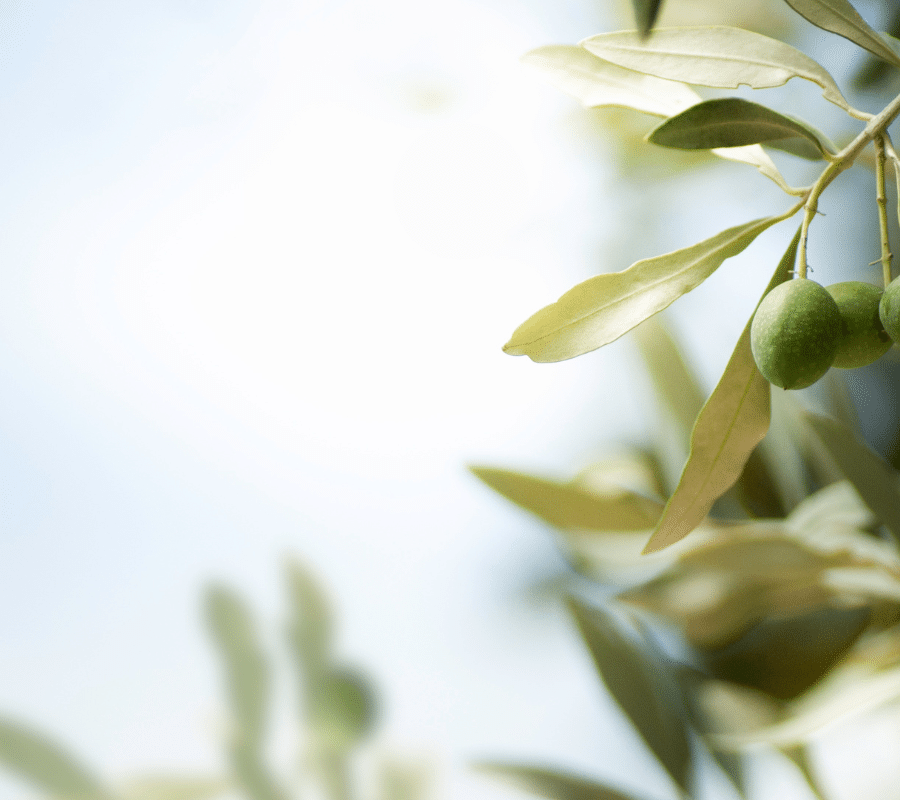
{"x":259,"y":259}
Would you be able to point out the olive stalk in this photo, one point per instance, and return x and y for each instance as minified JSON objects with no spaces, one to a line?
{"x":877,"y":126}
{"x":881,"y":199}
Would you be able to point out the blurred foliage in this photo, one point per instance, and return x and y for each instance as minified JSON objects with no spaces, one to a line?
{"x":336,"y":719}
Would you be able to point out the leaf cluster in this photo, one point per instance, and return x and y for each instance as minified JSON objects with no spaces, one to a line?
{"x":336,"y":713}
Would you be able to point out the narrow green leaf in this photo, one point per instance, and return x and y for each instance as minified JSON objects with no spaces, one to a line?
{"x":755,"y":156}
{"x":173,"y":787}
{"x":645,"y":12}
{"x":603,"y":308}
{"x":731,"y":424}
{"x":676,"y":385}
{"x":552,"y":783}
{"x":595,"y":82}
{"x":310,"y":623}
{"x":47,"y":766}
{"x":246,"y":670}
{"x":797,"y":146}
{"x":838,"y":16}
{"x":731,"y":122}
{"x":716,"y":56}
{"x":871,"y":475}
{"x":641,"y":689}
{"x":570,"y":507}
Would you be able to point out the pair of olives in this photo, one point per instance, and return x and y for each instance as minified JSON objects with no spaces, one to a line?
{"x":802,"y":328}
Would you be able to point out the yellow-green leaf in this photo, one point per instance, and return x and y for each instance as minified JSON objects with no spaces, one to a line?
{"x":595,"y":82}
{"x":732,"y":122}
{"x":571,"y":507}
{"x":603,"y":308}
{"x":551,"y":783}
{"x":717,"y":56}
{"x":173,"y":787}
{"x":838,"y":16}
{"x":733,"y":421}
{"x":32,"y":757}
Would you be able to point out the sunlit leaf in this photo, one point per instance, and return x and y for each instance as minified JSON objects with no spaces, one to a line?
{"x":403,"y":780}
{"x":871,"y":476}
{"x":44,"y":764}
{"x":730,"y":122}
{"x":836,"y":504}
{"x":551,"y":783}
{"x":755,"y":156}
{"x":645,"y":12}
{"x":603,"y":308}
{"x":716,"y":56}
{"x":173,"y":787}
{"x":838,"y":16}
{"x":731,"y":424}
{"x":595,"y":82}
{"x":641,"y":690}
{"x":570,"y":507}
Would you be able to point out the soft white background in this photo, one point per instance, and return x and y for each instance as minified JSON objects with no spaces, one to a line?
{"x":258,"y":261}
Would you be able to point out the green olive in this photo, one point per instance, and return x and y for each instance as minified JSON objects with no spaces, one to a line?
{"x":864,"y":339}
{"x":889,"y":310}
{"x":795,"y":333}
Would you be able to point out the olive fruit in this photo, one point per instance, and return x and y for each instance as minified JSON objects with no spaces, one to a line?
{"x":889,"y":310}
{"x":795,"y":333}
{"x":863,"y":339}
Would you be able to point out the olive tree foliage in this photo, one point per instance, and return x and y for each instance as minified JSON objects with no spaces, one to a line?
{"x":775,"y":555}
{"x":334,"y":755}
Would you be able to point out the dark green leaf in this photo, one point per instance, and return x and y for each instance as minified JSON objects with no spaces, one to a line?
{"x":731,"y":424}
{"x":730,"y":122}
{"x":552,"y":783}
{"x":646,"y":695}
{"x":838,"y":16}
{"x":46,"y":765}
{"x":870,"y":474}
{"x":645,"y":12}
{"x":570,"y":507}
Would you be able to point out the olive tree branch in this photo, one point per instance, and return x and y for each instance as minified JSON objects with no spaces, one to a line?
{"x":877,"y":126}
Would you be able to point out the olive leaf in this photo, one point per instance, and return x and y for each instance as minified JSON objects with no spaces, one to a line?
{"x":173,"y":787}
{"x":676,"y":385}
{"x":878,"y":485}
{"x":552,"y":783}
{"x":605,"y":307}
{"x":730,"y":425}
{"x":838,"y":16}
{"x":571,"y":507}
{"x":717,"y":56}
{"x":641,"y":689}
{"x":247,"y":679}
{"x":47,"y":766}
{"x":733,"y":122}
{"x":595,"y":82}
{"x":645,"y":12}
